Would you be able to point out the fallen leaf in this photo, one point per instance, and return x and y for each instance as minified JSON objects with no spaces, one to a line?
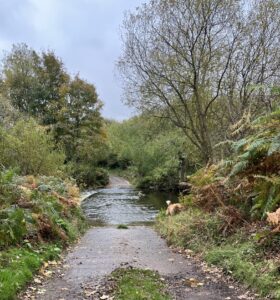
{"x":193,"y":282}
{"x":245,"y":296}
{"x":89,"y":293}
{"x":41,"y":292}
{"x":36,"y":280}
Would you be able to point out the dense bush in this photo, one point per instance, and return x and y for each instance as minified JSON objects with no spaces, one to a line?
{"x":249,"y":180}
{"x":38,"y":208}
{"x":151,"y":150}
{"x":256,"y":160}
{"x":28,"y":148}
{"x":13,"y":228}
{"x":67,"y":127}
{"x":39,"y":216}
{"x":89,"y":176}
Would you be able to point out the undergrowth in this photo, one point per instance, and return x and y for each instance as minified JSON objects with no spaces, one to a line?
{"x":37,"y":214}
{"x":238,"y":254}
{"x":232,"y":214}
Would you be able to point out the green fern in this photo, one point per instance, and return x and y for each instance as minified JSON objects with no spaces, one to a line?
{"x":267,"y":197}
{"x":275,"y":145}
{"x":226,"y":163}
{"x":239,"y":167}
{"x":272,"y":179}
{"x":252,"y":152}
{"x":239,"y":145}
{"x":258,"y":146}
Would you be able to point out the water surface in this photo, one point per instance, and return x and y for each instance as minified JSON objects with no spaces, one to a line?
{"x":124,"y":205}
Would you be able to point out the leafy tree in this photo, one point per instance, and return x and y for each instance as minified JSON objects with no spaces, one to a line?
{"x":79,"y":121}
{"x":8,"y":114}
{"x":33,"y":82}
{"x":38,"y":86}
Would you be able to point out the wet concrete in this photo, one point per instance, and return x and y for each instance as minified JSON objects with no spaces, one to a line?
{"x":102,"y":250}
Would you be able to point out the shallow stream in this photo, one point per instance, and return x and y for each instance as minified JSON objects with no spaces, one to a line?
{"x":124,"y":205}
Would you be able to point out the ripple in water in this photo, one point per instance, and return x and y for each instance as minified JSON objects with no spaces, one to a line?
{"x":113,"y":206}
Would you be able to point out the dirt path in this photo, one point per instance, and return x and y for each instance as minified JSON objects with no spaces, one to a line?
{"x":101,"y":250}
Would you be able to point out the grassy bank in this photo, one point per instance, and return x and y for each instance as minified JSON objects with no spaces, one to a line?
{"x":239,"y":254}
{"x":39,"y":217}
{"x":18,"y":266}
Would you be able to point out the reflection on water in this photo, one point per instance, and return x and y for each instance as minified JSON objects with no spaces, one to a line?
{"x":112,"y":206}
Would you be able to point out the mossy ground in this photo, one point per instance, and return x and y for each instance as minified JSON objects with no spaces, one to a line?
{"x":122,"y":226}
{"x":138,"y":284}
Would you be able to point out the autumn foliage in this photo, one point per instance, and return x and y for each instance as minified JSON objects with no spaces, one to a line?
{"x":246,"y":187}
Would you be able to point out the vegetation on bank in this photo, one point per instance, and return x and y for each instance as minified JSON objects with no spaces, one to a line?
{"x":232,"y":214}
{"x":39,"y":217}
{"x":239,"y":255}
{"x":148,"y":152}
{"x":19,"y":265}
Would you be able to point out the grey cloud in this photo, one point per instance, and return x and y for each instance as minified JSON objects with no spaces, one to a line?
{"x":84,"y":33}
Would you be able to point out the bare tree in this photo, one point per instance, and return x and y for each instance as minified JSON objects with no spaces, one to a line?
{"x":196,"y":62}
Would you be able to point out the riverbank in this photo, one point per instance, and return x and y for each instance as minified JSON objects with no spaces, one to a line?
{"x":146,"y":184}
{"x":238,"y":255}
{"x":40,"y":217}
{"x":220,"y":225}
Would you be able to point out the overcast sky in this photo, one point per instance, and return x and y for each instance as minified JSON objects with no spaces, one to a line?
{"x":83,"y":33}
